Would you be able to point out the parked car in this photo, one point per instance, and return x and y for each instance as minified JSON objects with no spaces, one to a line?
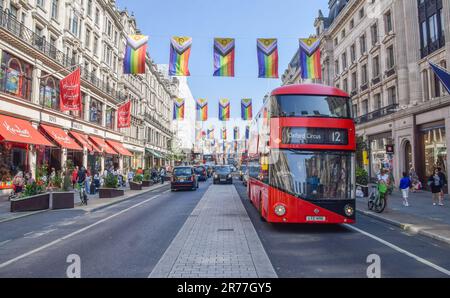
{"x":242,"y":172}
{"x":222,"y":174}
{"x":201,"y":173}
{"x":184,"y":178}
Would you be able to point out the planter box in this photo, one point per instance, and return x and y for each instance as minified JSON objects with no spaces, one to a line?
{"x":135,"y":186}
{"x":106,"y":193}
{"x":146,"y":183}
{"x":63,"y":200}
{"x":34,"y":203}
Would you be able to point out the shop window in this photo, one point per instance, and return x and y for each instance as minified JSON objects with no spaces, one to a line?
{"x":110,"y":118}
{"x":15,"y":76}
{"x":434,"y":149}
{"x":379,"y":159}
{"x":79,"y":114}
{"x":95,"y":112}
{"x":49,"y":92}
{"x":12,"y":160}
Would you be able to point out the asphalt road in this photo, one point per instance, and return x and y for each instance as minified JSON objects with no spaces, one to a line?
{"x":341,"y":251}
{"x":123,"y":240}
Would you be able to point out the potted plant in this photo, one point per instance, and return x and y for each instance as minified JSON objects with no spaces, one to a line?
{"x":110,"y":188}
{"x":33,"y":198}
{"x":147,"y":179}
{"x":136,"y":184}
{"x":362,"y":180}
{"x":62,"y":197}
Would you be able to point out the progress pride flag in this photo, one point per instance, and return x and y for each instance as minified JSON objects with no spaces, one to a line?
{"x":70,"y":92}
{"x":124,"y":115}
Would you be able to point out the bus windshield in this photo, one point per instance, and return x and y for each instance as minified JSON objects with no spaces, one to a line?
{"x":312,"y":175}
{"x":310,"y":106}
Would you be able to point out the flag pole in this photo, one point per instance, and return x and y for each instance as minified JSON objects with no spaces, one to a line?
{"x":58,"y":71}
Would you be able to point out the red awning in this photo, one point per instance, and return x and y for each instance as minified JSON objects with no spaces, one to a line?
{"x":61,"y":137}
{"x":21,"y":131}
{"x":103,"y":145}
{"x":85,"y":142}
{"x":119,"y":148}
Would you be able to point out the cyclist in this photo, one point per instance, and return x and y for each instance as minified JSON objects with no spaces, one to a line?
{"x":81,"y":180}
{"x":383,"y":184}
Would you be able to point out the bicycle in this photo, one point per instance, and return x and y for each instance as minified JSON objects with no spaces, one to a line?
{"x":377,"y":202}
{"x":83,"y":195}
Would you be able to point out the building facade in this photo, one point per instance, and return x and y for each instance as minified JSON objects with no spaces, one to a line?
{"x":41,"y":42}
{"x":378,"y":51}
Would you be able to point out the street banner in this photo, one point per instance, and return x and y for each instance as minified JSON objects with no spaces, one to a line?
{"x":246,"y":109}
{"x":70,"y":92}
{"x":247,"y":132}
{"x":224,"y":133}
{"x":224,"y":109}
{"x":180,"y":50}
{"x":443,"y":75}
{"x":224,"y":57}
{"x":201,"y":108}
{"x":124,"y":115}
{"x":236,"y":133}
{"x":210,"y":133}
{"x":310,"y":58}
{"x":135,"y":54}
{"x":267,"y":57}
{"x":178,"y":109}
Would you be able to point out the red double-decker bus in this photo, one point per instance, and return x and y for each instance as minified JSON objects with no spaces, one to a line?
{"x":301,"y":156}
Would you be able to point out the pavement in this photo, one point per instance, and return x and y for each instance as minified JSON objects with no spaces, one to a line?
{"x":217,"y":240}
{"x":421,"y":217}
{"x":94,"y":203}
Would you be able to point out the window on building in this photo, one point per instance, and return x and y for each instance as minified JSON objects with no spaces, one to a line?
{"x":352,"y":24}
{"x":432,"y":23}
{"x":364,"y":76}
{"x":345,"y":85}
{"x":89,"y":7}
{"x":110,"y":118}
{"x":95,"y":48}
{"x":15,"y":76}
{"x":390,"y":63}
{"x":97,"y":16}
{"x":354,"y":81}
{"x":376,"y":67}
{"x":40,"y":3}
{"x":49,"y":92}
{"x":87,"y":40}
{"x":392,"y":95}
{"x":377,"y":102}
{"x":344,"y":60}
{"x":55,"y":7}
{"x":355,"y":110}
{"x":361,"y":13}
{"x":75,"y":24}
{"x":388,"y":22}
{"x":374,"y":33}
{"x":362,"y":44}
{"x":95,"y":111}
{"x":431,"y":27}
{"x":364,"y":107}
{"x":336,"y":67}
{"x":353,"y":53}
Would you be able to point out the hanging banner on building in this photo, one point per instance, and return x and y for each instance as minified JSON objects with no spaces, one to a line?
{"x":224,"y":133}
{"x":224,"y":109}
{"x":178,"y":109}
{"x":210,"y":133}
{"x":246,"y":109}
{"x":236,"y":133}
{"x":443,"y":75}
{"x":135,"y":54}
{"x":70,"y":92}
{"x":202,"y":109}
{"x":224,"y":57}
{"x":124,"y":115}
{"x":267,"y":57}
{"x":180,"y":50}
{"x":310,"y":58}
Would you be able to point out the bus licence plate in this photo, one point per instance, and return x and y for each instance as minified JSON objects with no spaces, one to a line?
{"x":316,"y":218}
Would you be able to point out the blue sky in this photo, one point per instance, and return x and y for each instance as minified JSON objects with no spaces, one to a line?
{"x":244,"y":20}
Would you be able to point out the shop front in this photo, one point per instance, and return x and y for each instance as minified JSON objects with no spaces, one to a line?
{"x":67,"y":150}
{"x":380,"y":158}
{"x":154,"y":158}
{"x":119,"y":148}
{"x":19,"y":141}
{"x":111,"y":157}
{"x":92,"y":161}
{"x":432,"y":149}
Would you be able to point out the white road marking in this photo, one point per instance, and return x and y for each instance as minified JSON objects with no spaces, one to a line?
{"x":400,"y":250}
{"x":3,"y":265}
{"x":39,"y":234}
{"x":4,"y":242}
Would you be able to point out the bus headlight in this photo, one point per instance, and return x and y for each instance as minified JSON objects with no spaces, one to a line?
{"x":349,"y":211}
{"x":280,"y":210}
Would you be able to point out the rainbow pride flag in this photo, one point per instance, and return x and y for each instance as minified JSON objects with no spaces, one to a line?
{"x":310,"y":58}
{"x":267,"y":57}
{"x":202,"y":109}
{"x":224,"y":109}
{"x":210,"y":133}
{"x":224,"y":133}
{"x":224,"y":57}
{"x":135,"y":54}
{"x":178,"y":109}
{"x":180,"y":50}
{"x":246,"y":109}
{"x":236,"y":133}
{"x":247,"y":132}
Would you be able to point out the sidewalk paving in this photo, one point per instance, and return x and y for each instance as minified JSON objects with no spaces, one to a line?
{"x":217,"y":240}
{"x":420,"y":217}
{"x":94,"y":203}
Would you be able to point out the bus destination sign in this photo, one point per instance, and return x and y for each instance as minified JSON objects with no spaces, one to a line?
{"x":314,"y":136}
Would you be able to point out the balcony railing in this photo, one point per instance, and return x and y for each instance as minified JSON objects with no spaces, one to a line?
{"x":377,"y":114}
{"x":9,"y":23}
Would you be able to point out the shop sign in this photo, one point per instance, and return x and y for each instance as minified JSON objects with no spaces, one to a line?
{"x":389,"y":149}
{"x":16,"y":130}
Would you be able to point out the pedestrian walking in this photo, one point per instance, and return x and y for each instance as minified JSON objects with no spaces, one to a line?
{"x":405,"y":184}
{"x":443,"y":184}
{"x":130,"y":176}
{"x":434,"y":182}
{"x":162,"y":174}
{"x":74,"y":176}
